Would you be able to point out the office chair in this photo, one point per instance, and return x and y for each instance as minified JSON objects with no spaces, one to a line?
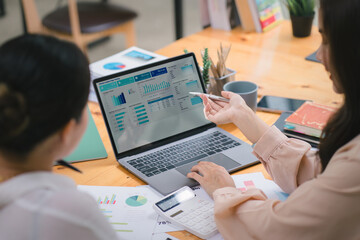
{"x":83,"y":22}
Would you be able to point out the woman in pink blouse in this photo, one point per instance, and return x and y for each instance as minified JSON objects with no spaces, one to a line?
{"x":325,"y":186}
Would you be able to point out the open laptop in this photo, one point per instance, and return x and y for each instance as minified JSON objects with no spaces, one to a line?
{"x":158,"y":130}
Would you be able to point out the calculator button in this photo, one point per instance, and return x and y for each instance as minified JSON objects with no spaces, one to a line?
{"x":191,"y":222}
{"x":197,"y":226}
{"x":203,"y":231}
{"x":183,"y":220}
{"x":197,"y":212}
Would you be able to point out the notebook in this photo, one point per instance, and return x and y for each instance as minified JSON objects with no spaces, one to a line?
{"x":280,"y":122}
{"x":158,"y":130}
{"x":90,"y":147}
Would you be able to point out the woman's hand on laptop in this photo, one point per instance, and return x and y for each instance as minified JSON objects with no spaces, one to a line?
{"x":211,"y":176}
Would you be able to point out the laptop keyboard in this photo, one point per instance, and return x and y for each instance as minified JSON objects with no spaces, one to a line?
{"x":183,"y":153}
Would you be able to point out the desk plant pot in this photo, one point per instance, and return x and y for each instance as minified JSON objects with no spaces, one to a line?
{"x":301,"y":15}
{"x":301,"y":25}
{"x":217,"y":84}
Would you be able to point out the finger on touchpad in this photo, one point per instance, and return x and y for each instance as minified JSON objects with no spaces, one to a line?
{"x":219,"y":159}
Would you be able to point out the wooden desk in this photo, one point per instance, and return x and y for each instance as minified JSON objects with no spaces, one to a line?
{"x":274,"y":60}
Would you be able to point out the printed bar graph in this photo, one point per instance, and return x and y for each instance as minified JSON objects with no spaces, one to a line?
{"x":107,"y":200}
{"x":155,"y":87}
{"x":248,"y":184}
{"x":118,"y":100}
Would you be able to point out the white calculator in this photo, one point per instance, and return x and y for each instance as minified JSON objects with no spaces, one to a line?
{"x":187,"y":210}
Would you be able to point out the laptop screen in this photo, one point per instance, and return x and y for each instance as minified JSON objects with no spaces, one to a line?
{"x":151,"y":103}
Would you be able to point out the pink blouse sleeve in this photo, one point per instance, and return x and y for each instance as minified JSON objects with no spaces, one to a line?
{"x":322,"y":207}
{"x":290,"y":162}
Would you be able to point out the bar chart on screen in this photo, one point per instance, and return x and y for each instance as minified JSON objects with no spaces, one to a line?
{"x":118,"y":100}
{"x":153,"y":87}
{"x":117,"y":119}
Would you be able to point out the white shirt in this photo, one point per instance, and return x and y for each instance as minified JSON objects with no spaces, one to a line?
{"x":43,"y":205}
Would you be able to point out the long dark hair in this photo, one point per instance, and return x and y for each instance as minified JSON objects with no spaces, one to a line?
{"x":44,"y":83}
{"x":341,"y":21}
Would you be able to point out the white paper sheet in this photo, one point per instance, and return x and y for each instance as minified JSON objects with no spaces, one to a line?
{"x":129,"y":209}
{"x":124,"y":60}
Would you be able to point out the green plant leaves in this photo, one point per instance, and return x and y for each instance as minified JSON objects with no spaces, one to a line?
{"x":300,"y":7}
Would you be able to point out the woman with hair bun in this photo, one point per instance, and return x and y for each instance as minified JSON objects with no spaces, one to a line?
{"x":44,"y":86}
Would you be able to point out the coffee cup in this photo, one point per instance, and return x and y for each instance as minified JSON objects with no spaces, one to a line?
{"x":247,"y":90}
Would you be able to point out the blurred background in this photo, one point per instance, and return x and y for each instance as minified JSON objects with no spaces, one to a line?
{"x":154,"y":26}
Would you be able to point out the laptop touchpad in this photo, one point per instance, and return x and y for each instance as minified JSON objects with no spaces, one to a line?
{"x":219,"y":159}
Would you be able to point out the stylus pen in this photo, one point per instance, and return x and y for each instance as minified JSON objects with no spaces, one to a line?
{"x":68,"y":165}
{"x":213,"y":97}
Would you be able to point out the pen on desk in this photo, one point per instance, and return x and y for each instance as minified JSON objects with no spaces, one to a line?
{"x":68,"y":165}
{"x":213,"y":97}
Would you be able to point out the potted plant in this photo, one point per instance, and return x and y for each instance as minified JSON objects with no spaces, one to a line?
{"x":215,"y":76}
{"x":301,"y":15}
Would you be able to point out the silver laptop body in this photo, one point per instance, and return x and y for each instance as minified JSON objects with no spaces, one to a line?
{"x":158,"y":130}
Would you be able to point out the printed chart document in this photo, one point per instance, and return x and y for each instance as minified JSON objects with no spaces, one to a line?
{"x":124,"y":60}
{"x":130,"y":209}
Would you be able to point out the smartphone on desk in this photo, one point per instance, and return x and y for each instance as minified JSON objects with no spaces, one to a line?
{"x":279,"y":104}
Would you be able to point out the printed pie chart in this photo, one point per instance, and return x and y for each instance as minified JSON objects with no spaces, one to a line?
{"x":114,"y":66}
{"x":136,"y":201}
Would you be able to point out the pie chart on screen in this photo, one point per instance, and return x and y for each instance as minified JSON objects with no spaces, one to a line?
{"x":136,"y":201}
{"x":114,"y":66}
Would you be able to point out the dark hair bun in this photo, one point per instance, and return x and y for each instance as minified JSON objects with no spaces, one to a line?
{"x":13,"y":119}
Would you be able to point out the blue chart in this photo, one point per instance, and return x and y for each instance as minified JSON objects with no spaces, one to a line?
{"x":187,"y":70}
{"x":141,"y":115}
{"x":148,"y":88}
{"x":118,"y":100}
{"x":195,"y":100}
{"x":192,"y":84}
{"x":136,"y":201}
{"x":119,"y":121}
{"x":114,"y":66}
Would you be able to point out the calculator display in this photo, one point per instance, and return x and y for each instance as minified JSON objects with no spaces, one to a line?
{"x":174,"y":200}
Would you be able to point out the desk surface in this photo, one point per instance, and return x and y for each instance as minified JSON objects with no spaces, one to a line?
{"x":274,"y":60}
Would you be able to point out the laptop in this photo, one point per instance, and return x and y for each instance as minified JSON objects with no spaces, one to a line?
{"x":158,"y":130}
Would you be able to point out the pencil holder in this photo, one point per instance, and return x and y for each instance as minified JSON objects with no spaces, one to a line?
{"x":217,"y":84}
